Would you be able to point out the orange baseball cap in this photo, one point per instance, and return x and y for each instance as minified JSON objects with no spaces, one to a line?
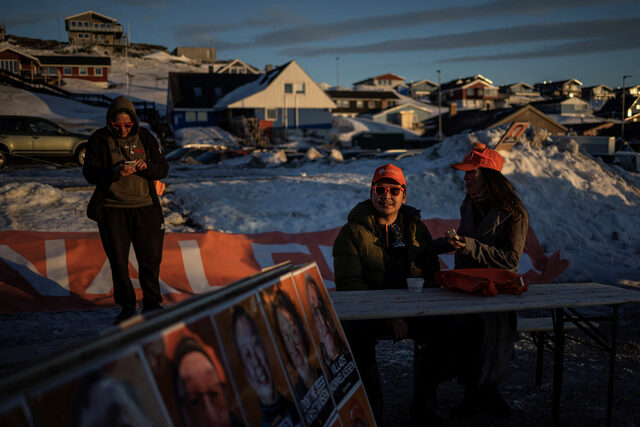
{"x":480,"y":156}
{"x":391,"y":172}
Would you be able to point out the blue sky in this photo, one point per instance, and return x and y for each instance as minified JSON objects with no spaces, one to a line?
{"x":595,"y":41}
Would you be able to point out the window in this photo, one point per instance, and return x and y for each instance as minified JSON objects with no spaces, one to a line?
{"x":218,"y":91}
{"x":299,"y":87}
{"x":9,"y":65}
{"x":202,"y":116}
{"x":479,"y":92}
{"x":470,"y":93}
{"x":86,"y":24}
{"x":97,"y":71}
{"x":197,"y":91}
{"x":372,"y":104}
{"x":67,"y":71}
{"x":271,"y":114}
{"x":96,"y":26}
{"x":83,"y":71}
{"x":359,"y":104}
{"x":288,"y":88}
{"x":73,"y":23}
{"x":190,"y":116}
{"x":52,"y":71}
{"x":42,"y":126}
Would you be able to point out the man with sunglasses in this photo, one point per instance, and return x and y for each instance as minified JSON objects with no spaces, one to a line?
{"x":383,"y":244}
{"x":122,"y":161}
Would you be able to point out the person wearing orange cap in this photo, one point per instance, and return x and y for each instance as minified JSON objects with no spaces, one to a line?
{"x":383,"y":243}
{"x":493,"y":228}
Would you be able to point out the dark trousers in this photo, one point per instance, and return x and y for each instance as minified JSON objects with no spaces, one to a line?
{"x":143,"y":227}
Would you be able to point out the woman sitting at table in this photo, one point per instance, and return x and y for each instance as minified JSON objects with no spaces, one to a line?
{"x":492,"y":233}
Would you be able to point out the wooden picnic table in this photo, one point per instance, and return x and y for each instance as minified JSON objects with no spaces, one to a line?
{"x":561,"y":298}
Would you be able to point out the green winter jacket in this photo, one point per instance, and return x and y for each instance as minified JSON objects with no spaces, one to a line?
{"x":361,"y":256}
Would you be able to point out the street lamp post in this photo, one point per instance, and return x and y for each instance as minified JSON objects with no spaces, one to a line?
{"x":623,"y":109}
{"x":439,"y":109}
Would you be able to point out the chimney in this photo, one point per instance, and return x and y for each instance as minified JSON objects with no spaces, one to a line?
{"x":210,"y":69}
{"x":268,"y":67}
{"x":453,"y":109}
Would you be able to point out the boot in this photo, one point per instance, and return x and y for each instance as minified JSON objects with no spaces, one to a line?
{"x":127,"y":312}
{"x":471,"y":403}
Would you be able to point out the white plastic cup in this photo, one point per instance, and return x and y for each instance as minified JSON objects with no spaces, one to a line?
{"x":415,"y":284}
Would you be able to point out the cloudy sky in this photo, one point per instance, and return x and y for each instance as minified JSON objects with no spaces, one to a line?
{"x":595,"y":41}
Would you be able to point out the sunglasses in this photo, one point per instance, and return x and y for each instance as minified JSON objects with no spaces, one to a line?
{"x":379,"y":190}
{"x":122,"y":126}
{"x":475,"y":157}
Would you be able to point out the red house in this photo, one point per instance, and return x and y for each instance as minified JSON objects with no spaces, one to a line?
{"x":53,"y":69}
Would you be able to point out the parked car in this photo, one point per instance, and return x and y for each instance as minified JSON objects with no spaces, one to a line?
{"x":37,"y":137}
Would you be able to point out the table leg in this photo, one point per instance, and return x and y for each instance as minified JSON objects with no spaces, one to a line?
{"x":558,"y":361}
{"x":612,"y":362}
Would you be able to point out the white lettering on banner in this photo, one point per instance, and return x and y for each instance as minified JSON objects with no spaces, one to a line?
{"x":192,"y":260}
{"x":56,"y":253}
{"x":264,"y":253}
{"x":102,"y":284}
{"x":43,"y":285}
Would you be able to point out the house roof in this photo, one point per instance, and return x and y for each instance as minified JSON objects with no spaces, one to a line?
{"x":423,"y":81}
{"x":75,"y":60}
{"x":93,"y":13}
{"x":517,"y":84}
{"x":16,"y":51}
{"x":226,"y":64}
{"x":474,"y":120}
{"x":361,"y":94}
{"x":593,"y":87}
{"x":388,"y":76}
{"x":259,"y":83}
{"x":464,"y":81}
{"x":212,"y":88}
{"x":558,"y":83}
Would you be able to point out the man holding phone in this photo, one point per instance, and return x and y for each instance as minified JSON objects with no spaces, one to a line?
{"x":122,"y":161}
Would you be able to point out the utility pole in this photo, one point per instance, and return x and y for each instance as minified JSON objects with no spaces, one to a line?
{"x":337,"y":72}
{"x":624,"y":113}
{"x":439,"y":109}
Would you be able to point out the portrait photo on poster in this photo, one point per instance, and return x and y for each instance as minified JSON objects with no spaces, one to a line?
{"x":326,"y":332}
{"x":355,"y":411}
{"x":192,"y":377}
{"x":310,"y":387}
{"x":118,"y":392}
{"x":255,"y":365}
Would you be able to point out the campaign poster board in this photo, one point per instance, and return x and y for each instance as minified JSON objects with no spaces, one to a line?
{"x":223,"y":359}
{"x":192,"y":377}
{"x":118,"y":392}
{"x":255,"y":365}
{"x":511,"y":136}
{"x":328,"y":336}
{"x":293,"y":340}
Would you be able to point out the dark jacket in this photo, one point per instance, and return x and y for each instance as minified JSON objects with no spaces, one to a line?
{"x":490,"y":243}
{"x":486,"y":340}
{"x":361,"y":256}
{"x":98,"y":166}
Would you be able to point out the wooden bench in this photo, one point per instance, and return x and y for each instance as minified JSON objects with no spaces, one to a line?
{"x":541,"y":330}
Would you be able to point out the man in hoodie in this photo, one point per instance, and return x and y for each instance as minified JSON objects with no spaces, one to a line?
{"x":383,"y":244}
{"x":122,"y":161}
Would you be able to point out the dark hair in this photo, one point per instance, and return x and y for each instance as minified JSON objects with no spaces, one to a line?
{"x":185,"y":346}
{"x":502,"y":195}
{"x":281,"y":300}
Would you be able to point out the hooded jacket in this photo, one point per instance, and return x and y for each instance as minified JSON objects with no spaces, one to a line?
{"x":104,"y":150}
{"x":361,"y":253}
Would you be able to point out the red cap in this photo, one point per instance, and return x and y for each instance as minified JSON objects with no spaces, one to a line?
{"x":391,"y":172}
{"x":480,"y":156}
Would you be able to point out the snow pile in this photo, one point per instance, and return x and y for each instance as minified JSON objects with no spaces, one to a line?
{"x":165,"y":57}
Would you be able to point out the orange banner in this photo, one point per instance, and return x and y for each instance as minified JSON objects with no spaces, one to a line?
{"x":46,"y":271}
